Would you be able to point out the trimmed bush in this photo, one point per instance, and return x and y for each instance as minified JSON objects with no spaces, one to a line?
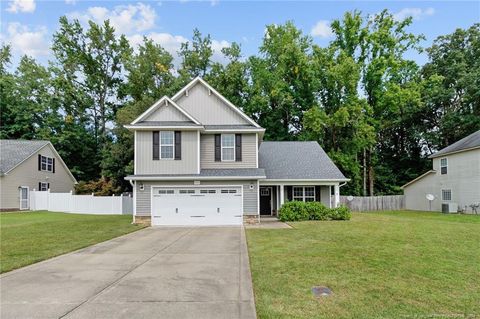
{"x":298,"y":211}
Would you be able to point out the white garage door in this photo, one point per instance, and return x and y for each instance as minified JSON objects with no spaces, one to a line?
{"x":197,"y":206}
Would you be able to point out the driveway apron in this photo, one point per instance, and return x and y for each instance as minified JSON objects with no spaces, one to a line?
{"x":153,"y":273}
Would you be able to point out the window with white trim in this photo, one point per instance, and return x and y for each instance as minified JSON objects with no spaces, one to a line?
{"x":46,"y":163}
{"x":443,"y":166}
{"x":228,"y":191}
{"x":43,"y":187}
{"x":304,"y":193}
{"x":166,"y":191}
{"x":446,"y":194}
{"x":167,"y":144}
{"x":228,"y":147}
{"x":187,"y":191}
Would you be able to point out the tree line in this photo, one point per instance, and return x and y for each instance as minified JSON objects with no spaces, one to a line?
{"x":376,"y":113}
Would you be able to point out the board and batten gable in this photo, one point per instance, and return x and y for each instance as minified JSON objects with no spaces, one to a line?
{"x":208,"y":108}
{"x":250,"y":193}
{"x":167,"y":113}
{"x":462,"y":178}
{"x":145,"y":164}
{"x":207,"y":153}
{"x":27,"y":174}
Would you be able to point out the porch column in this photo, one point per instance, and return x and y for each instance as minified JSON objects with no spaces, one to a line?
{"x":282,"y":195}
{"x":337,"y":195}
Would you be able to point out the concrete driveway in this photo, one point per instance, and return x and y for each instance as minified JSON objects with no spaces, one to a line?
{"x":152,"y":273}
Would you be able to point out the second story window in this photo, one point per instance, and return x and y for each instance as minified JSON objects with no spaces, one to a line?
{"x":228,"y":147}
{"x":46,"y":164}
{"x":166,"y":144}
{"x":443,"y":166}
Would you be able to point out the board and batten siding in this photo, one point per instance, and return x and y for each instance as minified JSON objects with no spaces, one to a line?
{"x":250,"y":196}
{"x":27,"y":174}
{"x":462,"y":178}
{"x":208,"y":108}
{"x":144,"y":155}
{"x":167,"y":113}
{"x":207,"y":153}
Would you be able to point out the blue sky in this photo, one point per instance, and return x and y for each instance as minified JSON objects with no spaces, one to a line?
{"x":29,"y":24}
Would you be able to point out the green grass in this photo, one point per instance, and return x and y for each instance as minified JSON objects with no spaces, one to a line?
{"x":379,"y":265}
{"x":29,"y":237}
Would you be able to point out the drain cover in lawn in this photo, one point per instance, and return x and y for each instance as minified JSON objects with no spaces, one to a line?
{"x":320,"y":291}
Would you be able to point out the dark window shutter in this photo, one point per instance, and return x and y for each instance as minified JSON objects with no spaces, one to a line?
{"x":238,"y":147}
{"x":317,"y":194}
{"x":178,"y":145}
{"x":48,"y":186}
{"x":53,"y":165}
{"x":39,"y":186}
{"x":39,"y":162}
{"x":289,"y":193}
{"x":156,"y":145}
{"x":218,"y":148}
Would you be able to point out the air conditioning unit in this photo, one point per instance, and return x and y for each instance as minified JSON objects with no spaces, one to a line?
{"x":448,"y":208}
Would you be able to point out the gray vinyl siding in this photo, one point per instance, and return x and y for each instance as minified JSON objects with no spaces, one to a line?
{"x":462,"y":178}
{"x":167,"y":113}
{"x":207,"y":153}
{"x":250,"y":196}
{"x":144,"y":155}
{"x":27,"y":174}
{"x":207,"y":108}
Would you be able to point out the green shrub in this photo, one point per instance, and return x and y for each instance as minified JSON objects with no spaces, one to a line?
{"x":341,"y":213}
{"x":298,"y":211}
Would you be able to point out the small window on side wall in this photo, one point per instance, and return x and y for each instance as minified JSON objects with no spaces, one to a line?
{"x":443,"y":166}
{"x":446,"y":194}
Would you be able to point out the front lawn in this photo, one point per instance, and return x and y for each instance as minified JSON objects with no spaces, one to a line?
{"x":379,"y":265}
{"x":29,"y":237}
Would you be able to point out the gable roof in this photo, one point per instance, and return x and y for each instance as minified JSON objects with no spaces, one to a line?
{"x":297,"y":161}
{"x":164,"y":101}
{"x":221,"y":97}
{"x":15,"y":152}
{"x":419,"y":178}
{"x":472,"y":141}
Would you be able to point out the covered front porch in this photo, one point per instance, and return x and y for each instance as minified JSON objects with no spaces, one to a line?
{"x":272,"y":195}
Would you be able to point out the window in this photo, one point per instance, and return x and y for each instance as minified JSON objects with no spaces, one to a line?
{"x":228,"y":147}
{"x":166,"y":144}
{"x":304,"y":193}
{"x":228,"y":191}
{"x":264,"y":191}
{"x":446,"y":194}
{"x":207,"y":191}
{"x":166,"y":191}
{"x":46,"y":163}
{"x":187,"y":191}
{"x":443,"y":166}
{"x":43,"y":187}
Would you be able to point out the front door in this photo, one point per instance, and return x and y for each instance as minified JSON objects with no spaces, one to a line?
{"x":23,"y":198}
{"x":265,"y":200}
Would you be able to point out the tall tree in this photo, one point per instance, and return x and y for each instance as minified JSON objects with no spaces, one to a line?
{"x":196,"y":56}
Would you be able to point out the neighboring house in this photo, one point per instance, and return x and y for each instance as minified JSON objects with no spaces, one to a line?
{"x":199,"y":160}
{"x":30,"y":165}
{"x":454,"y":180}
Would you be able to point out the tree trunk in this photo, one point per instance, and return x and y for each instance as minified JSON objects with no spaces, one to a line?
{"x":371,"y":174}
{"x":364,"y":172}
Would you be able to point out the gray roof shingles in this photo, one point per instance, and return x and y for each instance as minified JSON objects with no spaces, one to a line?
{"x":471,"y":141}
{"x":13,"y":152}
{"x":297,"y":160}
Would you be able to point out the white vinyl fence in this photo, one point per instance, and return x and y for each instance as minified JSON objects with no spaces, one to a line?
{"x":82,"y":204}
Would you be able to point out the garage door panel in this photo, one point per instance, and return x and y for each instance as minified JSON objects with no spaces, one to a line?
{"x":201,"y":206}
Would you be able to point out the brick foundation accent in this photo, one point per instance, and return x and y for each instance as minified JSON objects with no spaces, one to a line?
{"x":251,"y":219}
{"x":143,"y":220}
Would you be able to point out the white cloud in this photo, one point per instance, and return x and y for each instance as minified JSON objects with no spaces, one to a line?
{"x":214,"y":2}
{"x":21,"y":6}
{"x":415,"y":13}
{"x":73,"y":2}
{"x":172,"y":44}
{"x":26,"y":41}
{"x":126,"y":19}
{"x":322,"y":29}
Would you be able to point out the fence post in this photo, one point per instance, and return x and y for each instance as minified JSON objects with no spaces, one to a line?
{"x":70,"y":201}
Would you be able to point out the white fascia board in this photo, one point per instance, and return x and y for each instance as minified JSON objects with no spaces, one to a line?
{"x":221,"y":97}
{"x":160,"y":127}
{"x":152,"y":108}
{"x":188,"y":178}
{"x":302,"y":181}
{"x":255,"y":130}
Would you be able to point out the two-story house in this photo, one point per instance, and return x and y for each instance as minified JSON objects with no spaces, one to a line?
{"x":30,"y":165}
{"x":453,"y":183}
{"x":199,"y":160}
